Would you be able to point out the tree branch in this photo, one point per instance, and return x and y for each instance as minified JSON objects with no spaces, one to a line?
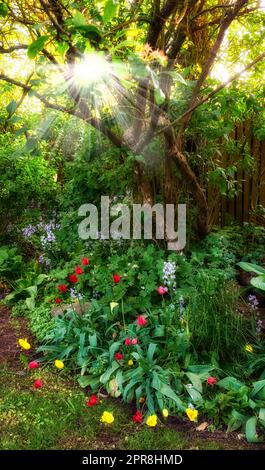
{"x":96,"y":123}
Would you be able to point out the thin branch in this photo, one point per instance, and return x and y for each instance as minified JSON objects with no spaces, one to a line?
{"x":13,"y":48}
{"x":96,"y":123}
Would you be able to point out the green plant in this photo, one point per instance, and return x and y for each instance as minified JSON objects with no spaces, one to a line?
{"x":259,"y":281}
{"x":10,"y":263}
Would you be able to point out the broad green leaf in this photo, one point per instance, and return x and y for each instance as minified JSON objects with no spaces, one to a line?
{"x":167,"y":391}
{"x":113,"y":349}
{"x":36,"y":46}
{"x":251,"y":430}
{"x":79,"y":19}
{"x":30,"y":303}
{"x":106,"y":376}
{"x":11,"y":107}
{"x":89,"y":381}
{"x":202,"y":371}
{"x":257,"y":387}
{"x":251,"y":267}
{"x":93,"y":340}
{"x":3,"y":10}
{"x":258,"y":282}
{"x":32,"y":290}
{"x":89,"y":31}
{"x":230,"y":383}
{"x":194,"y":394}
{"x":151,"y":351}
{"x":109,"y":10}
{"x":195,"y":380}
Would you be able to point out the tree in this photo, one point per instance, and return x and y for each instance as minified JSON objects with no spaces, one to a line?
{"x":62,"y":33}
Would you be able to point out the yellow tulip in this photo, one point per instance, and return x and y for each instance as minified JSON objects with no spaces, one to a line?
{"x":249,"y":348}
{"x":151,"y":421}
{"x":59,"y":364}
{"x":165,"y":413}
{"x":23,"y":343}
{"x":192,"y":414}
{"x":130,"y":362}
{"x":107,"y":417}
{"x":113,"y":305}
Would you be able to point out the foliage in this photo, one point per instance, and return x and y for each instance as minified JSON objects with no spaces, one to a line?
{"x":10,"y":262}
{"x":259,"y":281}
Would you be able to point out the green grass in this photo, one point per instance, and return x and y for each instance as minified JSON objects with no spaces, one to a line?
{"x":55,"y":417}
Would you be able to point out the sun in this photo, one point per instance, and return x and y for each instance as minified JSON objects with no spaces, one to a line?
{"x":92,"y":69}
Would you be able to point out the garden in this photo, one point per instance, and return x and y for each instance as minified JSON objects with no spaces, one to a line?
{"x":120,"y":330}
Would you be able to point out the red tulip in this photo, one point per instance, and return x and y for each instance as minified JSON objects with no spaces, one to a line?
{"x":73,"y":278}
{"x":92,"y":401}
{"x":137,"y":418}
{"x":116,"y":278}
{"x":38,"y":383}
{"x":127,"y":342}
{"x":161,"y":290}
{"x":58,"y":300}
{"x":141,"y":320}
{"x":78,"y":270}
{"x":85,"y":261}
{"x":211,"y":381}
{"x":118,"y":356}
{"x":62,"y":288}
{"x":134,"y":341}
{"x":33,"y":365}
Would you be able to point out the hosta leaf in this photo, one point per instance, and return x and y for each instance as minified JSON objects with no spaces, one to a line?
{"x":257,"y":387}
{"x":251,"y":267}
{"x":258,"y":282}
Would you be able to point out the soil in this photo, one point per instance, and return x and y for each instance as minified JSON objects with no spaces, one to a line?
{"x":10,"y":332}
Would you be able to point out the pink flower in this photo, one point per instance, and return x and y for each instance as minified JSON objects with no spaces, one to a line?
{"x":161,"y":290}
{"x":33,"y":365}
{"x":116,"y":278}
{"x":38,"y":383}
{"x":127,"y":342}
{"x":141,"y":320}
{"x":211,"y":381}
{"x":134,"y":341}
{"x":118,"y":356}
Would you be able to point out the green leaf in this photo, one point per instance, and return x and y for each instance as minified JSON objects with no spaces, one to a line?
{"x":166,"y":390}
{"x":251,"y":267}
{"x":257,"y":387}
{"x":258,"y":282}
{"x":32,"y":290}
{"x":106,"y":376}
{"x":89,"y":31}
{"x":109,"y":10}
{"x":93,"y":340}
{"x":159,"y":96}
{"x":194,"y":394}
{"x":195,"y":380}
{"x":36,"y":46}
{"x":88,"y":381}
{"x":251,"y":430}
{"x":151,"y":351}
{"x":202,"y":371}
{"x":79,"y":19}
{"x":30,"y":303}
{"x":11,"y":107}
{"x":3,"y":10}
{"x":230,"y":383}
{"x":262,"y":416}
{"x":113,"y":348}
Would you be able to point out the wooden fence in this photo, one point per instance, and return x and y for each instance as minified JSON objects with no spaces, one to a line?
{"x":250,"y":190}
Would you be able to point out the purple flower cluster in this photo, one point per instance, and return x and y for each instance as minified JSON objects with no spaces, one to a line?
{"x":48,"y":229}
{"x":169,"y":274}
{"x":253,"y":302}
